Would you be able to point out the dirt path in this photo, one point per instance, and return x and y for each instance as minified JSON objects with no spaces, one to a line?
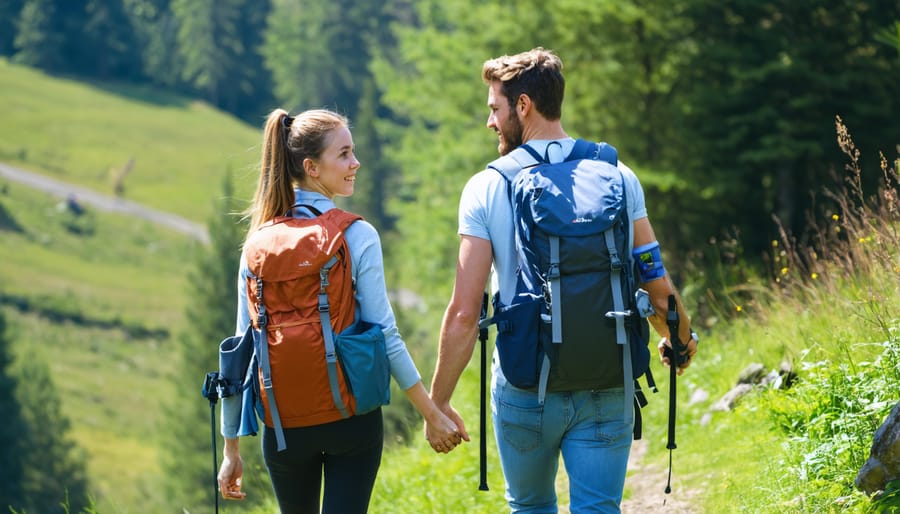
{"x":646,"y":484}
{"x":645,"y":488}
{"x":103,"y":202}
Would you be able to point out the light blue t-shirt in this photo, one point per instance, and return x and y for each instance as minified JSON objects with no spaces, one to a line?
{"x":372,"y":302}
{"x":485,"y":212}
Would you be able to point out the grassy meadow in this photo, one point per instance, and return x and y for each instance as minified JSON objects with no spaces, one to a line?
{"x":101,"y":301}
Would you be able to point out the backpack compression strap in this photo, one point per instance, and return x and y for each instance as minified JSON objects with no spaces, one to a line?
{"x":263,"y":351}
{"x":328,"y":335}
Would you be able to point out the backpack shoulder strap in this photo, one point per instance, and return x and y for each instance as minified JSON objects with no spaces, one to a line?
{"x":512,"y":163}
{"x":342,"y":218}
{"x":584,"y":149}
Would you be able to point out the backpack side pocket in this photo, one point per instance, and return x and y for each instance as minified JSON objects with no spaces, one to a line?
{"x":518,"y":341}
{"x":362,"y":353}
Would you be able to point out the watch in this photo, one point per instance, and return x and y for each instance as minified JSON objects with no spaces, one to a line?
{"x":695,"y":337}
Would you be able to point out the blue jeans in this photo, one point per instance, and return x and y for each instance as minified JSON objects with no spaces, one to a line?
{"x":587,"y":427}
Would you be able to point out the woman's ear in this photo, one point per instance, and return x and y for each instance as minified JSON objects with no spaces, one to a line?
{"x":309,"y":167}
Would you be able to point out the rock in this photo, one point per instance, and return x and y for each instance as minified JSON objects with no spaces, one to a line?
{"x":883,"y":465}
{"x":752,"y":374}
{"x":731,"y":398}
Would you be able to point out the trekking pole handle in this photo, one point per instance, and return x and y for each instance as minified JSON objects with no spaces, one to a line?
{"x":675,"y":343}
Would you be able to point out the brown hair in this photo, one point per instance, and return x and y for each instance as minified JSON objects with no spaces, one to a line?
{"x":536,"y":73}
{"x":287,"y":142}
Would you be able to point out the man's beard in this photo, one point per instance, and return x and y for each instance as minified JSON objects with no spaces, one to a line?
{"x":511,"y":137}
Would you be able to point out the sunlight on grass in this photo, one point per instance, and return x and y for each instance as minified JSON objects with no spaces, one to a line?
{"x":85,"y":145}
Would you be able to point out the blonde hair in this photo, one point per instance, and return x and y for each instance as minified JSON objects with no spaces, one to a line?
{"x":287,"y":142}
{"x":536,"y":73}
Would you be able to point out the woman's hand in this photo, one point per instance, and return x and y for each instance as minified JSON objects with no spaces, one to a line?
{"x":442,"y":433}
{"x":231,"y":472}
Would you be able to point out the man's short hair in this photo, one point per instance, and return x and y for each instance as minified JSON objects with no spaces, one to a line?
{"x":536,"y":73}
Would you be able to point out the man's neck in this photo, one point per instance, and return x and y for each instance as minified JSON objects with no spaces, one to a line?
{"x":543,"y":129}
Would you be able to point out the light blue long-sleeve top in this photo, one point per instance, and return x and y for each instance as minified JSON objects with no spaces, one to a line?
{"x":372,"y":302}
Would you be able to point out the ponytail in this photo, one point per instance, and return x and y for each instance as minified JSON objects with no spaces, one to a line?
{"x":275,"y":189}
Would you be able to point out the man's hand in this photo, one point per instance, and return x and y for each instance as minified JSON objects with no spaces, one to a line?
{"x":686,"y":356}
{"x":445,"y":431}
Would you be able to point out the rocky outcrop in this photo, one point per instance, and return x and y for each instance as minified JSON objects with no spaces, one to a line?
{"x":883,"y":465}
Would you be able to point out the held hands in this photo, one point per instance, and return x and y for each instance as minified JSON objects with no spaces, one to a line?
{"x":230,"y":475}
{"x":445,"y":430}
{"x":686,"y":357}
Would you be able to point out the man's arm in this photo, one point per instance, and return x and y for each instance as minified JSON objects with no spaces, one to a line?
{"x":459,"y":327}
{"x":659,"y":290}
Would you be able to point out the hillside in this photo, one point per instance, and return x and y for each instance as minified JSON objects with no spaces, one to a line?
{"x":101,"y":296}
{"x":157,"y":149}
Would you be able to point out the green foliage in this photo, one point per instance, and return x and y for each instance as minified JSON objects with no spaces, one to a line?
{"x":54,"y":467}
{"x":12,"y":429}
{"x":757,"y":122}
{"x":829,"y":419}
{"x":40,"y":38}
{"x":216,"y":45}
{"x":9,"y":16}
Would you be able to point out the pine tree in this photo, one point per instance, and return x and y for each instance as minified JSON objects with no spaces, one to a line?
{"x":54,"y":469}
{"x":110,"y":40}
{"x":12,"y":429}
{"x":211,"y":318}
{"x":9,"y":14}
{"x":39,"y":37}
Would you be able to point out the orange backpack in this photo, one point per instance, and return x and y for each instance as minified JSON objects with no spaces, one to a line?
{"x":300,"y":282}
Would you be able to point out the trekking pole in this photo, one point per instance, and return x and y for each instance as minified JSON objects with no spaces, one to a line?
{"x":483,"y":337}
{"x":673,"y":352}
{"x":210,"y":392}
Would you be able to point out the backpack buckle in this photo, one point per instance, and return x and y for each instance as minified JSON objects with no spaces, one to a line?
{"x":553,"y":271}
{"x":615,"y":263}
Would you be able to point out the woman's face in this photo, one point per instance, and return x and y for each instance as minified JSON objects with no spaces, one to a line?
{"x":334,"y":172}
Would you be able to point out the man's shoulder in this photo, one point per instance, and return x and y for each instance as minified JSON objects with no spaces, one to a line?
{"x":486,"y":180}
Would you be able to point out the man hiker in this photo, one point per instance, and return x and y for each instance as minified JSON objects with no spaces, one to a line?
{"x":591,"y":427}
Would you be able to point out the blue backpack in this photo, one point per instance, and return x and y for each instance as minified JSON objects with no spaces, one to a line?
{"x":575,"y":322}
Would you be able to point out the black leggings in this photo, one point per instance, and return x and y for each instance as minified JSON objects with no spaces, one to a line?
{"x":347,"y":452}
